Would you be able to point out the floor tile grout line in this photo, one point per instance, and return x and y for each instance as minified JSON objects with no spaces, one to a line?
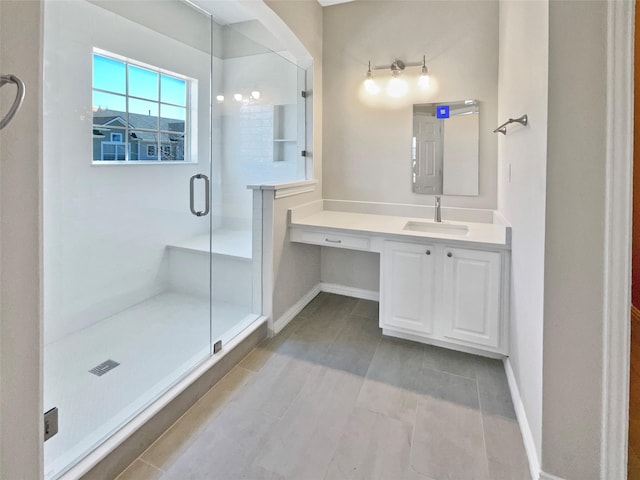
{"x":297,"y":395}
{"x":415,"y":414}
{"x":484,"y":433}
{"x":366,"y":374}
{"x":449,"y":373}
{"x":151,"y":465}
{"x":335,"y":450}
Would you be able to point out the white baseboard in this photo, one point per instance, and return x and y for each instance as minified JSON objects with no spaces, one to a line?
{"x":297,"y":307}
{"x":525,"y":429}
{"x":548,"y":476}
{"x":350,"y":291}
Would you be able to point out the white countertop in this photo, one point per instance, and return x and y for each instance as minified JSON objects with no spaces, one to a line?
{"x":492,"y":234}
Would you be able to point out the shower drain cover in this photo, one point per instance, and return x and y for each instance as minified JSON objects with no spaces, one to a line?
{"x":104,"y":367}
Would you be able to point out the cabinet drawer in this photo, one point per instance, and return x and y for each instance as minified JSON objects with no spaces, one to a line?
{"x":330,"y":239}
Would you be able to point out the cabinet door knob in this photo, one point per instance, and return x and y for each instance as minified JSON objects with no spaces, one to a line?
{"x":428,"y":252}
{"x":449,"y":254}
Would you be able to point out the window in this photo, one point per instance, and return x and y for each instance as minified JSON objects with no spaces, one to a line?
{"x":138,"y":111}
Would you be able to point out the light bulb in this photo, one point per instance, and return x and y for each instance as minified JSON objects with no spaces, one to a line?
{"x":255,"y":94}
{"x":397,"y":87}
{"x":220,"y":98}
{"x":424,"y":81}
{"x":371,"y":86}
{"x":237,"y":97}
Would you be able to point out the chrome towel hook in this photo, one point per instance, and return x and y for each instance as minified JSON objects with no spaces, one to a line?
{"x":17,"y":103}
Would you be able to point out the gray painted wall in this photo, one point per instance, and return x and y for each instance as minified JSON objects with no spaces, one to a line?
{"x":574,"y":245}
{"x":367,"y":142}
{"x":522,"y":163}
{"x":296,"y":267}
{"x":20,"y":253}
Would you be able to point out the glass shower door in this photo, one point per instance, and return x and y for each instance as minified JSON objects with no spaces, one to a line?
{"x":127,"y":236}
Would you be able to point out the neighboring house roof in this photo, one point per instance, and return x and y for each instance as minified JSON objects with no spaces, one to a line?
{"x":109,"y":118}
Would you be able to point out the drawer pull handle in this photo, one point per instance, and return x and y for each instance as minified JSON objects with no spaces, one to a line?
{"x":449,"y":254}
{"x":428,"y":252}
{"x":332,"y":241}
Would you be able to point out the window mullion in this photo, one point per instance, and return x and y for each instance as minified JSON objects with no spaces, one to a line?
{"x":127,"y":154}
{"x":158,"y":148}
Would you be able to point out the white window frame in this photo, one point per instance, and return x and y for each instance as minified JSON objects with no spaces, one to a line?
{"x":190,"y":107}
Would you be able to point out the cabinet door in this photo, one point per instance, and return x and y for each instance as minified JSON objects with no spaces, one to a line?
{"x":407,"y":294}
{"x":471,"y":296}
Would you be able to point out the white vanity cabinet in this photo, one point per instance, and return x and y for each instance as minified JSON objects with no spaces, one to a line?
{"x":470,"y":309}
{"x":444,"y":283}
{"x":438,"y":292}
{"x":408,"y":287}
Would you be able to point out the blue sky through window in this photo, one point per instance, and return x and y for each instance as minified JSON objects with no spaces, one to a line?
{"x":110,"y":75}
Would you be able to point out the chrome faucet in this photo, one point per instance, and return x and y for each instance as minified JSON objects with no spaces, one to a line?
{"x":437,"y":217}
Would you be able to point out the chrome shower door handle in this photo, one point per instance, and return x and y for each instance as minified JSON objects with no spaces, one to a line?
{"x":17,"y":103}
{"x":199,"y":213}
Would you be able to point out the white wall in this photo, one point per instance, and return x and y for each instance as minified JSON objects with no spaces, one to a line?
{"x":106,"y":226}
{"x":248,"y":130}
{"x":574,"y":243}
{"x":20,"y":252}
{"x":522,"y":161}
{"x":367,"y":142}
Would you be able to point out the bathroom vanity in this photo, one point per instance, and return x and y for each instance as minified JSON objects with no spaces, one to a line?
{"x":441,"y":283}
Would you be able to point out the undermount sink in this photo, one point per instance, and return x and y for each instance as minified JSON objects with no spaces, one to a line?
{"x":434,"y":227}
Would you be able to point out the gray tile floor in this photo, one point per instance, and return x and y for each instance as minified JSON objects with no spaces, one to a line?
{"x":331,"y":398}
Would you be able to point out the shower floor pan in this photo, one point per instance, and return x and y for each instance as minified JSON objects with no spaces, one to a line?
{"x":154,"y":343}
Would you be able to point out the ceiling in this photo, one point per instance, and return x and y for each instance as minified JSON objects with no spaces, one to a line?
{"x":326,"y":3}
{"x":228,"y":11}
{"x":224,"y":12}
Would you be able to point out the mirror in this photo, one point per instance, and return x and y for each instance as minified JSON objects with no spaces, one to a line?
{"x":444,"y":148}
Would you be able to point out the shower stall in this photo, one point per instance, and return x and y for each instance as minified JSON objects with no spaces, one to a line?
{"x":157,"y":116}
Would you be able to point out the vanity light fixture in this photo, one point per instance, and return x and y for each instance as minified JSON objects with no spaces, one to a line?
{"x":220,"y":98}
{"x":237,"y":97}
{"x":397,"y":87}
{"x":255,"y":94}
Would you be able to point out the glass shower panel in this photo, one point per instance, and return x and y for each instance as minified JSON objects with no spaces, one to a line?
{"x":259,"y":112}
{"x":127,"y":294}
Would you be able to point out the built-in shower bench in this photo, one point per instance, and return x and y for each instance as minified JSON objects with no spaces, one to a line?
{"x":231,"y":265}
{"x":231,"y":243}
